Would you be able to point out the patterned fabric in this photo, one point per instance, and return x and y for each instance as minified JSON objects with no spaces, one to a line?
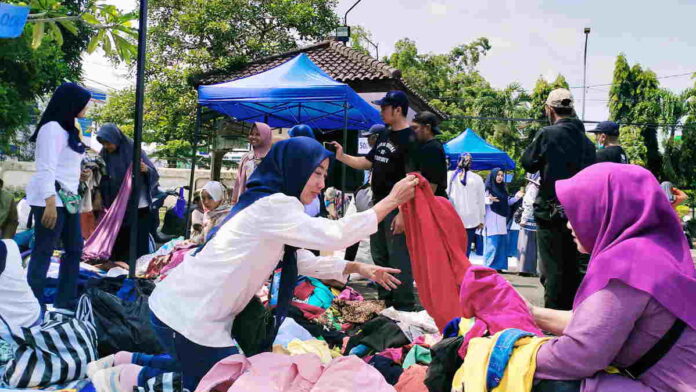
{"x":359,"y":312}
{"x":166,"y":382}
{"x":55,"y":352}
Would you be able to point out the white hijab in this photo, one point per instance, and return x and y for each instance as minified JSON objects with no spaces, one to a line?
{"x":215,"y":189}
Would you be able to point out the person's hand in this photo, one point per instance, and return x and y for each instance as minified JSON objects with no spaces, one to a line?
{"x":143,"y":167}
{"x":339,"y":150}
{"x":398,"y":226}
{"x":50,"y":214}
{"x":84,"y":175}
{"x":380,"y":275}
{"x":493,"y":199}
{"x":404,"y":190}
{"x":480,"y":227}
{"x":519,"y":194}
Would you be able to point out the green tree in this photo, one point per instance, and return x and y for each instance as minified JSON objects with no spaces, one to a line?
{"x":189,"y":40}
{"x":635,"y":97}
{"x":49,"y":52}
{"x":632,"y":142}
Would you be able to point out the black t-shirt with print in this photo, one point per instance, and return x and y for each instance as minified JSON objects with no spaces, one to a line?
{"x":392,"y":157}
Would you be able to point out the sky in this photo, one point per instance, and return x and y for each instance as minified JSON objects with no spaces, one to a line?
{"x":529,"y":38}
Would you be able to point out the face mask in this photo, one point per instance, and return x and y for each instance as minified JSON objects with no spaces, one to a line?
{"x":600,"y":146}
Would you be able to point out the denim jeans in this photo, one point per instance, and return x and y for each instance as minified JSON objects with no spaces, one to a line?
{"x":500,"y":355}
{"x":69,"y":231}
{"x":470,"y":240}
{"x":194,"y":360}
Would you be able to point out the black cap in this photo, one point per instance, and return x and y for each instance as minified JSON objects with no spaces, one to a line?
{"x":608,"y":128}
{"x":394,"y":98}
{"x":375,"y":129}
{"x":428,"y":118}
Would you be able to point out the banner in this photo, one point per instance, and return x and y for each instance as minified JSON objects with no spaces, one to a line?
{"x":12,"y":20}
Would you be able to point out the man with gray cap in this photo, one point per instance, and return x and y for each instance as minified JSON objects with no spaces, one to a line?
{"x":607,"y":135}
{"x":558,"y":152}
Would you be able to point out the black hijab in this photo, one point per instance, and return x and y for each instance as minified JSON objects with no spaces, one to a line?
{"x":66,"y":103}
{"x":498,"y":191}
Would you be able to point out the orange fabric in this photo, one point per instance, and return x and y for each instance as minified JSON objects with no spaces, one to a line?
{"x":413,"y":380}
{"x":679,"y":198}
{"x":436,"y":240}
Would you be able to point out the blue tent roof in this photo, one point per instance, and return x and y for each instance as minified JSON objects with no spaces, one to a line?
{"x":484,"y":156}
{"x":295,"y":92}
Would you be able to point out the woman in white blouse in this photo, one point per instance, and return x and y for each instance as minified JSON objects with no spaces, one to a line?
{"x":194,"y":308}
{"x":58,"y":159}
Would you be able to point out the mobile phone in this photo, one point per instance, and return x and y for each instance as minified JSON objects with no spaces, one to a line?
{"x":329,"y":146}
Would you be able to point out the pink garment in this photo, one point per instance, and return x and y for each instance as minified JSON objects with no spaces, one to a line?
{"x":349,"y":294}
{"x":494,"y":302}
{"x":304,"y":290}
{"x":101,"y":242}
{"x":395,"y":354}
{"x":257,"y":153}
{"x":436,"y":240}
{"x":412,"y":380}
{"x":176,"y":259}
{"x":301,"y":373}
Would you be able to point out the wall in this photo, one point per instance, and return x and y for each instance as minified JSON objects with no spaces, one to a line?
{"x":16,"y":176}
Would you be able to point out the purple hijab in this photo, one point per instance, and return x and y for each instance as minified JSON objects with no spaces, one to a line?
{"x":621,"y":216}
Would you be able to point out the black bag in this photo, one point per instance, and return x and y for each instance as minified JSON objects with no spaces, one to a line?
{"x":123,"y":325}
{"x":252,"y":328}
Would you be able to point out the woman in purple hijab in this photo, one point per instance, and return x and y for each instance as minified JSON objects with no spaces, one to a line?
{"x":639,"y":289}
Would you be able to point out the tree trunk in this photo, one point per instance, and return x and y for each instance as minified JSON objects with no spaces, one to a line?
{"x":216,"y":164}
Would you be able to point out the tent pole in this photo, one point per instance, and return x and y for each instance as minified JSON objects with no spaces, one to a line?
{"x":137,"y":139}
{"x":344,"y":167}
{"x":196,"y":133}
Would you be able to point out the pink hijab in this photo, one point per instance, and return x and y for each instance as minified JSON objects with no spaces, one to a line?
{"x":622,"y":217}
{"x":256,"y":153}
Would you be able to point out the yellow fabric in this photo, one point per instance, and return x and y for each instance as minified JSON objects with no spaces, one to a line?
{"x":314,"y":346}
{"x":465,"y":324}
{"x":519,"y":373}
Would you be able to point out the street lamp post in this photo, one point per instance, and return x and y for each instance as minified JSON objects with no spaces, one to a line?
{"x":584,"y":74}
{"x":138,"y":137}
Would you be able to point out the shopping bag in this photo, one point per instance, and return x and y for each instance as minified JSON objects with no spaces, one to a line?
{"x":55,"y":352}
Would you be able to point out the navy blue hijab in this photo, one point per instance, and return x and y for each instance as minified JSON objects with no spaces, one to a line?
{"x":285,"y":169}
{"x":118,"y":162}
{"x":302,"y":130}
{"x":66,"y":103}
{"x":499,"y":191}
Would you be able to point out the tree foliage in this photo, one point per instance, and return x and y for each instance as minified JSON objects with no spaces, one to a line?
{"x":48,"y":53}
{"x":189,"y":39}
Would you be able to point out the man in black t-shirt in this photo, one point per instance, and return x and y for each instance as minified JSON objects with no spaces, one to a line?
{"x":390,"y":159}
{"x":432,"y":160}
{"x":607,"y":134}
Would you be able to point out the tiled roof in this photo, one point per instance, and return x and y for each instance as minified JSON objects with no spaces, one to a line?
{"x":342,"y":63}
{"x":339,"y":61}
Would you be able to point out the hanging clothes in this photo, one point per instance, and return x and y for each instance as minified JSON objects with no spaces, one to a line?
{"x":438,"y":270}
{"x":100,"y":244}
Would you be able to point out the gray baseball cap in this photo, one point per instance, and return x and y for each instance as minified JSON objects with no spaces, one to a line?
{"x":560,"y":98}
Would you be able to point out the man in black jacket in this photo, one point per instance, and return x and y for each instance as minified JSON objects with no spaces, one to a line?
{"x":558,"y":152}
{"x":607,"y":134}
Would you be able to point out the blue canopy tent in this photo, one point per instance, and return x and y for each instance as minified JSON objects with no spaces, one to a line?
{"x":484,"y":156}
{"x":295,"y":92}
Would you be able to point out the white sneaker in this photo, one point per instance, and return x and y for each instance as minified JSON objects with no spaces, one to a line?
{"x":106,"y":380}
{"x":100,"y":364}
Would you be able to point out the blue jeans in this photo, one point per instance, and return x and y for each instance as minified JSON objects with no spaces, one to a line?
{"x":495,"y":252}
{"x":191,"y":359}
{"x":69,"y":231}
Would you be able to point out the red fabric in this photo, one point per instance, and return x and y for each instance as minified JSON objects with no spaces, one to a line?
{"x":436,"y":240}
{"x":88,"y":223}
{"x":412,"y":380}
{"x":310,"y":312}
{"x":304,"y":290}
{"x":494,"y":302}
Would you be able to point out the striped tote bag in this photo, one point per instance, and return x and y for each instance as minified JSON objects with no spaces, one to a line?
{"x":55,"y":352}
